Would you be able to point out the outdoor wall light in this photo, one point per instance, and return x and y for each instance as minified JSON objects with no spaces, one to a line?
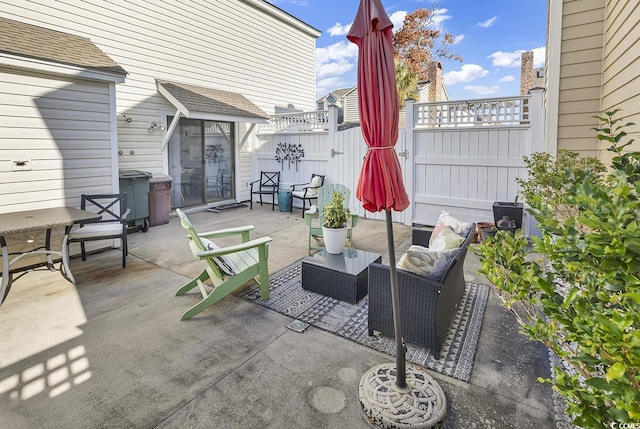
{"x":155,"y":126}
{"x":126,"y":118}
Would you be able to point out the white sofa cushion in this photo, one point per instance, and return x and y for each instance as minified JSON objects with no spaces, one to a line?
{"x":426,"y":262}
{"x":97,"y":230}
{"x":447,"y":239}
{"x":445,"y":219}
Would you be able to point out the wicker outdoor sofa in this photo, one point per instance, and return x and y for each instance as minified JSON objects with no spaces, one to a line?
{"x":426,"y":306}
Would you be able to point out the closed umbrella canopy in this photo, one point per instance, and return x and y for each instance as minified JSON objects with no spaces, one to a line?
{"x":380,"y":186}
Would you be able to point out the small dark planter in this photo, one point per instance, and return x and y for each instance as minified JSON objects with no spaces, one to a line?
{"x":512,"y":210}
{"x":487,"y":232}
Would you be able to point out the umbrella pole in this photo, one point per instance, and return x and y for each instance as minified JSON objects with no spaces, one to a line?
{"x":401,"y":376}
{"x":391,"y":402}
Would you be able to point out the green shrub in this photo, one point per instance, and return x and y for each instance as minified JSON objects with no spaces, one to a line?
{"x":548,"y":179}
{"x":586,"y":306}
{"x":334,"y":213}
{"x":628,"y":162}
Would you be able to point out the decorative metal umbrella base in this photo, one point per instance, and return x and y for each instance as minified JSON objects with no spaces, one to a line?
{"x":421,"y":405}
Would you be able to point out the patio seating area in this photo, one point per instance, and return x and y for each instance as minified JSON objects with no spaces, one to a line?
{"x":111,"y":350}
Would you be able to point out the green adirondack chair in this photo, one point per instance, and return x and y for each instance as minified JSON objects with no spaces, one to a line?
{"x":325,"y":193}
{"x":227,"y":268}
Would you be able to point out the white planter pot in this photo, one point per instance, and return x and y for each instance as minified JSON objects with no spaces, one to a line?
{"x":334,"y":239}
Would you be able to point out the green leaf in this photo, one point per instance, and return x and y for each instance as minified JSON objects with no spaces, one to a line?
{"x":635,"y":296}
{"x":588,"y":359}
{"x":616,"y":371}
{"x":598,"y":383}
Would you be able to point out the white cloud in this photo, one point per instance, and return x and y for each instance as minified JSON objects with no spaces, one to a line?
{"x":488,"y":23}
{"x":507,"y":78}
{"x":324,"y":86}
{"x":506,"y":59}
{"x":512,"y":59}
{"x":482,"y":89}
{"x":339,"y":29}
{"x":331,"y":63}
{"x":336,"y":51}
{"x":467,"y":73}
{"x":438,"y":18}
{"x":334,"y":68}
{"x":538,"y":57}
{"x":397,"y":18}
{"x":457,"y":39}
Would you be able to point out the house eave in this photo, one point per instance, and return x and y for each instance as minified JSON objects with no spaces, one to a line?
{"x":18,"y":62}
{"x":283,"y":16}
{"x":225,"y":118}
{"x":184,"y":111}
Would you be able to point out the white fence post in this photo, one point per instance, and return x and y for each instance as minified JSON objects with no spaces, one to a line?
{"x":332,"y":129}
{"x":409,"y":148}
{"x":333,"y":120}
{"x":536,"y":113}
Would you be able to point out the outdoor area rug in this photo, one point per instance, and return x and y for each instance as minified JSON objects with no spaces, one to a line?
{"x":350,"y":321}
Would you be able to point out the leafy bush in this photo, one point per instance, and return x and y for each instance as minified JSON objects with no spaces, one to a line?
{"x":334,"y":213}
{"x":586,"y":305}
{"x":628,"y":162}
{"x":548,"y":179}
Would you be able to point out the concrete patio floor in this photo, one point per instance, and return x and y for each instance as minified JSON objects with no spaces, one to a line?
{"x":112,"y":352}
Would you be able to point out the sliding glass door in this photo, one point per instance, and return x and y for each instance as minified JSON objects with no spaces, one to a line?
{"x":201,"y":159}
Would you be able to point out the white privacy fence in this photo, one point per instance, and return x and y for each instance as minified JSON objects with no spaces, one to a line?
{"x":449,"y":161}
{"x":297,"y":122}
{"x":506,"y":111}
{"x":335,"y":154}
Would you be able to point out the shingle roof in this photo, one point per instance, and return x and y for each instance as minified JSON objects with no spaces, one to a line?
{"x":26,"y":40}
{"x":338,"y":93}
{"x":208,"y":100}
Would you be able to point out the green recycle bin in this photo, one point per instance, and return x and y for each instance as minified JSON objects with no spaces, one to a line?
{"x":284,"y":200}
{"x":136,"y":184}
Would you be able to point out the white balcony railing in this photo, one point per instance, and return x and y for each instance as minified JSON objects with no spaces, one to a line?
{"x":303,"y":122}
{"x":506,"y":111}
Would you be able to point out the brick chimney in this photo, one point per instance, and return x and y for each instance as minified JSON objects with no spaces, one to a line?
{"x":434,"y":74}
{"x":526,"y":73}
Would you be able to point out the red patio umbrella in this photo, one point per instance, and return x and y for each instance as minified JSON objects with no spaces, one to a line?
{"x":380,"y":186}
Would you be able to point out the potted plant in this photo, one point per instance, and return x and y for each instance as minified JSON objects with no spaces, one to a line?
{"x":548,"y":182}
{"x":487,"y":229}
{"x":334,"y":224}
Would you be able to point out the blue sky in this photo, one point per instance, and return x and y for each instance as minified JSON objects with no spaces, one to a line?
{"x":490,"y":36}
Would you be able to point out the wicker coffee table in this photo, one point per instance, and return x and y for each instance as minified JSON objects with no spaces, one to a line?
{"x":343,"y":276}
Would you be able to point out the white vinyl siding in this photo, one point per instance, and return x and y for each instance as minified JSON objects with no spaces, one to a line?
{"x":599,"y":70}
{"x":243,"y":177}
{"x":224,"y":44}
{"x":351,"y":107}
{"x":62,"y":126}
{"x":621,"y":67}
{"x":580,"y":75}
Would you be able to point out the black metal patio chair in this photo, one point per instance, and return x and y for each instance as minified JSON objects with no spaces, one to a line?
{"x":268,"y":184}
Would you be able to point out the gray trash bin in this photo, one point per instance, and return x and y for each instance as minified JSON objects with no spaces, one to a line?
{"x":159,"y":199}
{"x":136,"y":184}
